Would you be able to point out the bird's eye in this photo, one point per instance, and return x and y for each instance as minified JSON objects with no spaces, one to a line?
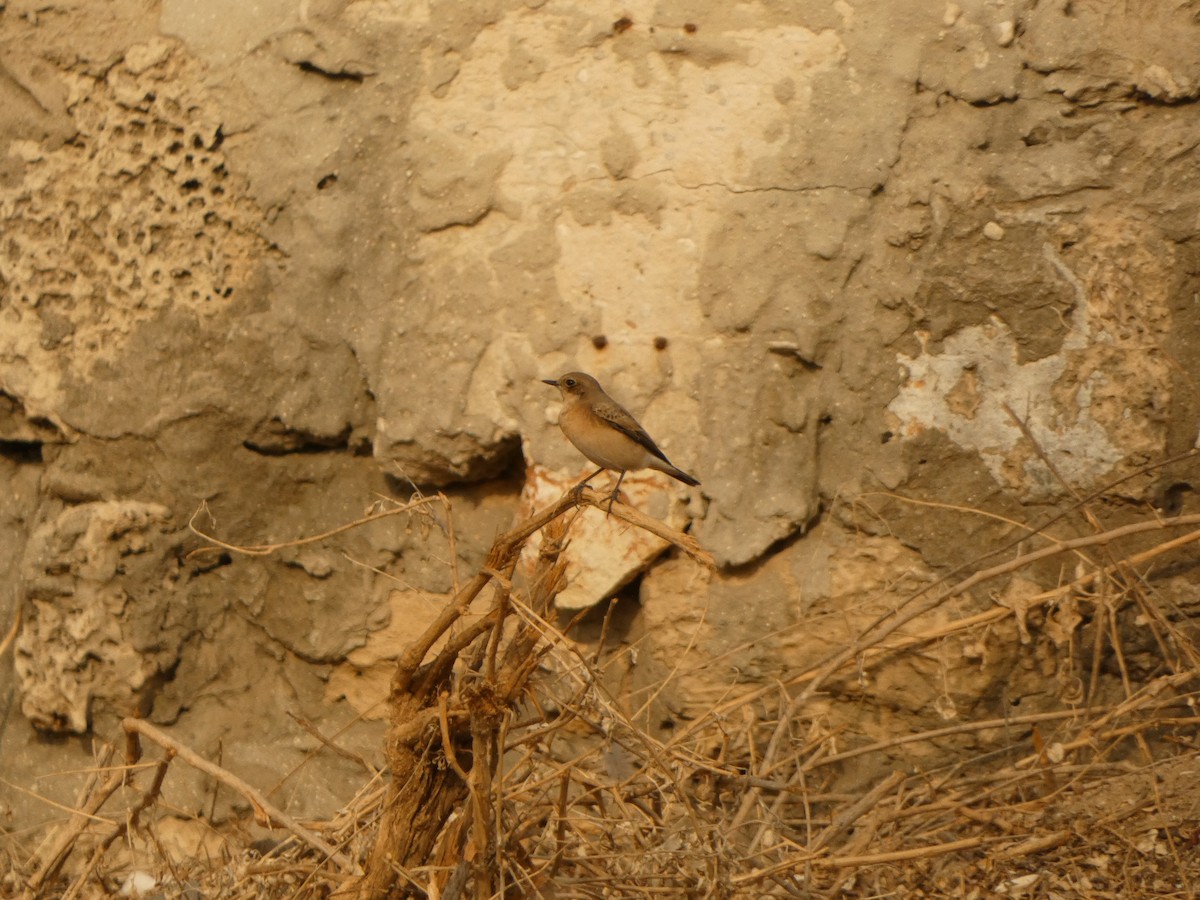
{"x":570,"y":382}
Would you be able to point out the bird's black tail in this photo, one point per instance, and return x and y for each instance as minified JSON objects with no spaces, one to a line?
{"x":680,"y":475}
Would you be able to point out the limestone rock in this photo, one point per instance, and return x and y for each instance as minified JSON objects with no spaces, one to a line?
{"x":760,"y":462}
{"x":604,"y":553}
{"x":88,"y":638}
{"x":1092,"y":55}
{"x":364,"y":678}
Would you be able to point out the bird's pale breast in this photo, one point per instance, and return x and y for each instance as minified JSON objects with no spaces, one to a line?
{"x":599,"y":441}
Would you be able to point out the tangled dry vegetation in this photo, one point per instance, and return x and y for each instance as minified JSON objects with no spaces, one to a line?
{"x":483,"y":797}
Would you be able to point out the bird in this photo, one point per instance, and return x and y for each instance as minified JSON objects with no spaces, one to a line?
{"x":604,"y":431}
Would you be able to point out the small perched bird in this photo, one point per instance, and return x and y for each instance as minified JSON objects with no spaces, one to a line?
{"x":604,"y":431}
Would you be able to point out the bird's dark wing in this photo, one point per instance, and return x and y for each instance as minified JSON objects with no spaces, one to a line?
{"x":619,"y":418}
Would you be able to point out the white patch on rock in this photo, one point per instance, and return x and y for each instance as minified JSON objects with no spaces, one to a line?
{"x":986,"y":356}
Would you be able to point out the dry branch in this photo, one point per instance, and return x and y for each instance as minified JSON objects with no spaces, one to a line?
{"x":892,"y":623}
{"x":264,"y":809}
{"x":470,"y":715}
{"x":92,"y":799}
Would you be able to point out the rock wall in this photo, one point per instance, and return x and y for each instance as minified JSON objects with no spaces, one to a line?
{"x":292,"y":260}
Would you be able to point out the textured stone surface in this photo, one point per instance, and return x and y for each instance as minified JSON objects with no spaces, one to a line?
{"x":295,"y":260}
{"x":605,"y":553}
{"x":86,"y":636}
{"x":364,"y":679}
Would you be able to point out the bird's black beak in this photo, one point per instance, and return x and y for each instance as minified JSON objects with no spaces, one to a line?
{"x":550,"y":381}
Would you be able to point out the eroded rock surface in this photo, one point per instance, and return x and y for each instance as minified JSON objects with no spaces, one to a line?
{"x":86,"y":636}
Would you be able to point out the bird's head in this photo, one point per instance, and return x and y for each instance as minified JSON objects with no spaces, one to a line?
{"x":574,"y":384}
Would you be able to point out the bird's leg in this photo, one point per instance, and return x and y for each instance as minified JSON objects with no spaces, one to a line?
{"x":616,"y":491}
{"x":578,"y":489}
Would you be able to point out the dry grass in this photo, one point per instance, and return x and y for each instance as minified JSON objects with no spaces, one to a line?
{"x":503,"y":782}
